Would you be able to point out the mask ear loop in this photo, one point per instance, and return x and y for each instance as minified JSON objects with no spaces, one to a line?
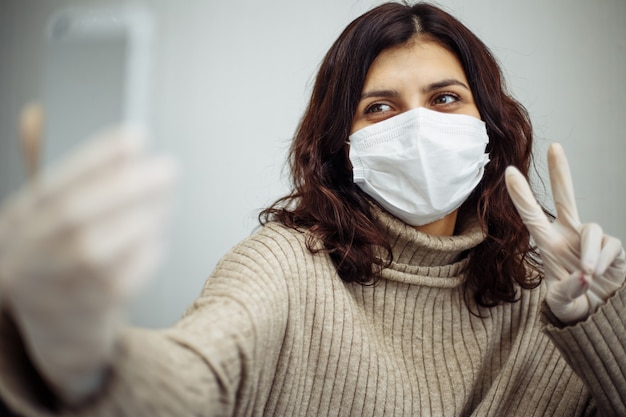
{"x":489,"y":141}
{"x":347,"y":155}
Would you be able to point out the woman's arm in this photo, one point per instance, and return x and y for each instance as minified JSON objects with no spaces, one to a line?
{"x":226,"y":345}
{"x":75,"y":243}
{"x":596,"y":350}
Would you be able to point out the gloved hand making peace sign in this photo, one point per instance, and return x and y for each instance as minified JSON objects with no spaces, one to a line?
{"x":583,"y":266}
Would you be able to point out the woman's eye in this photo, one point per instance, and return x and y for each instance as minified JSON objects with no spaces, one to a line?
{"x":377,"y":108}
{"x":444,"y":99}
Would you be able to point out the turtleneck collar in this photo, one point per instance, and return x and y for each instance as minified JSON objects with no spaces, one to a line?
{"x":420,"y":258}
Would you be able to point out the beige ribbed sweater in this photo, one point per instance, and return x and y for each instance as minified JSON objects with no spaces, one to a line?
{"x":277,"y":333}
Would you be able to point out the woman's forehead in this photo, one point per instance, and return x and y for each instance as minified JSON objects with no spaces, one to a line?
{"x":417,"y":60}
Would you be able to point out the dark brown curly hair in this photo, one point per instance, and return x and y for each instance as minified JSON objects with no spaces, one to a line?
{"x":324,"y":198}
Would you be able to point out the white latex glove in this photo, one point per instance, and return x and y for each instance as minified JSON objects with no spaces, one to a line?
{"x":75,"y":243}
{"x":583,"y":266}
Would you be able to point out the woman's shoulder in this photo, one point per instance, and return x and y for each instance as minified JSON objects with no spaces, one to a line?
{"x":274,"y":259}
{"x":275,"y":235}
{"x":273,"y":243}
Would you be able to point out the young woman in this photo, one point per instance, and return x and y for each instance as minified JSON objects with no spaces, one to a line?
{"x":397,"y":278}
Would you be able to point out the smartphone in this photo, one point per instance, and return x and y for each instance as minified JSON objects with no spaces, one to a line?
{"x":96,"y":73}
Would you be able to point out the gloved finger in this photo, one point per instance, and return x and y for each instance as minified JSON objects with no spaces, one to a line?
{"x":14,"y":208}
{"x":602,"y":287}
{"x":562,"y":187}
{"x":6,"y":228}
{"x":71,"y":282}
{"x":567,"y":298}
{"x":570,"y":288}
{"x":136,"y":266}
{"x":120,"y":189}
{"x":590,"y":245}
{"x":611,"y":252}
{"x":104,"y":240}
{"x":529,"y":210}
{"x":107,"y":150}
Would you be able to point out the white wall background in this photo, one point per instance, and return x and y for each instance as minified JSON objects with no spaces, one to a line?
{"x":232,"y":79}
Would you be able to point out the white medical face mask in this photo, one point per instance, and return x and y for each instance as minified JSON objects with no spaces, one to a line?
{"x":420,"y":165}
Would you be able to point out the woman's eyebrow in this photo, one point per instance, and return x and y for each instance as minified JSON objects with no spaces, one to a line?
{"x":443,"y":84}
{"x":380,"y":93}
{"x":390,"y":93}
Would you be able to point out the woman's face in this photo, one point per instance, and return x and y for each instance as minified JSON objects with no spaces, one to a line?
{"x":418,"y":73}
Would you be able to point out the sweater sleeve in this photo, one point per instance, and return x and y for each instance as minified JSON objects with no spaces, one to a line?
{"x":596,"y":350}
{"x":218,"y":360}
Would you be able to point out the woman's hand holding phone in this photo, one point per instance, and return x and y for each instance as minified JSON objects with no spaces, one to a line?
{"x":75,"y":243}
